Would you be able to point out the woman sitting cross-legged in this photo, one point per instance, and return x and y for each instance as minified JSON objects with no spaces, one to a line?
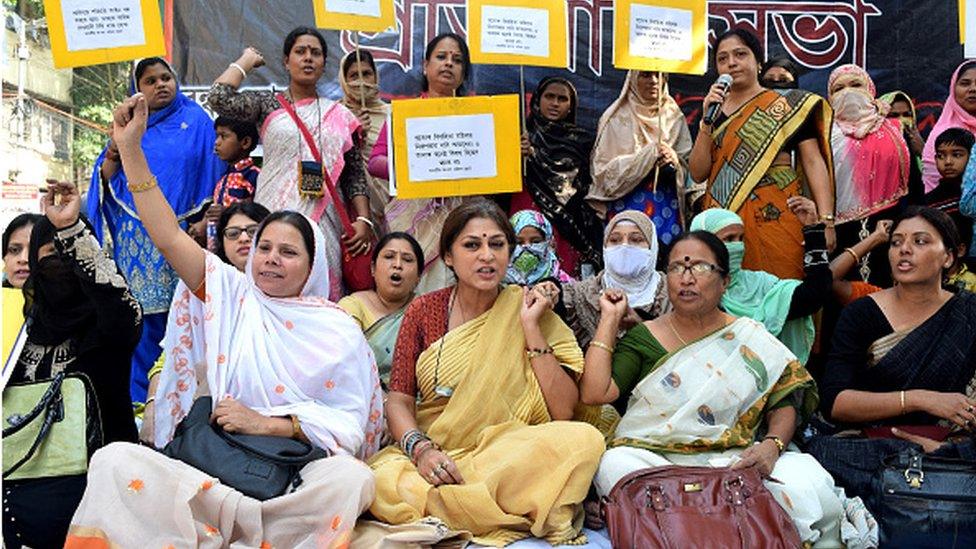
{"x":705,"y":388}
{"x":278,"y":359}
{"x":902,"y":363}
{"x":484,"y":377}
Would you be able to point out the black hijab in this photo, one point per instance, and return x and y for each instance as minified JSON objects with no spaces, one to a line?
{"x":562,"y":146}
{"x":56,"y":307}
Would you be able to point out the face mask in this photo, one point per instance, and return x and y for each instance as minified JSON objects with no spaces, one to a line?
{"x":527,"y":259}
{"x":628,"y":262}
{"x":55,"y":276}
{"x":737,"y":250}
{"x":852,"y":105}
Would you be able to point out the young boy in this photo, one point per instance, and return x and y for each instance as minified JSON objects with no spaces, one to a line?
{"x":952,"y":148}
{"x":235,"y":141}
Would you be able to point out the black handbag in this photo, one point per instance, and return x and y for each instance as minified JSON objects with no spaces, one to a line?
{"x":924,"y":499}
{"x":262,"y":467}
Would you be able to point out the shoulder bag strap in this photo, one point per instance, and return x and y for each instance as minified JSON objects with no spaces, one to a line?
{"x":317,"y":155}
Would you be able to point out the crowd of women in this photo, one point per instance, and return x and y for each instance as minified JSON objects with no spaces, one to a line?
{"x":648,"y":299}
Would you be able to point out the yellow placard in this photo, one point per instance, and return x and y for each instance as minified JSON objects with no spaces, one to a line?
{"x":86,"y":32}
{"x":456,"y":146}
{"x":962,"y":21}
{"x":518,"y":32}
{"x":354,"y":15}
{"x":661,"y":35}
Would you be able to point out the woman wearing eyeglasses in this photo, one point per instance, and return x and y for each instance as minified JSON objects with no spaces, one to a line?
{"x":702,"y":387}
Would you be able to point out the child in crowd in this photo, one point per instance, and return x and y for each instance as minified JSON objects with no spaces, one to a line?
{"x":236,"y":140}
{"x":952,"y":150}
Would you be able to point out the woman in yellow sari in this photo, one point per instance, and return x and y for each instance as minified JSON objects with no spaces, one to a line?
{"x":483,"y":377}
{"x":764,"y":147}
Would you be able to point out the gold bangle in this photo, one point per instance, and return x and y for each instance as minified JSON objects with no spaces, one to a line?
{"x":903,"y":402}
{"x":296,"y":427}
{"x":533,"y":353}
{"x":144,"y":186}
{"x":602,"y":345}
{"x":853,"y":254}
{"x":776,"y":440}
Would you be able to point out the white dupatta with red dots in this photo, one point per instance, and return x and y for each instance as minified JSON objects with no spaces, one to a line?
{"x":279,"y":356}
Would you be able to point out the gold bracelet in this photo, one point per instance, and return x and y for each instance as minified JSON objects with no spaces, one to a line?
{"x":602,"y":345}
{"x":144,"y":186}
{"x":533,"y":353}
{"x":776,"y":440}
{"x":853,"y":254}
{"x":903,"y":402}
{"x":296,"y":427}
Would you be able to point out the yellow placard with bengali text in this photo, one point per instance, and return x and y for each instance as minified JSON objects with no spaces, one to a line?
{"x":456,"y":146}
{"x":518,"y":32}
{"x":661,"y":35}
{"x":92,"y":32}
{"x":354,"y":15}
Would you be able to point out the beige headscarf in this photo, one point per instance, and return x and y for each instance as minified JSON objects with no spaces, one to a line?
{"x":627,"y":144}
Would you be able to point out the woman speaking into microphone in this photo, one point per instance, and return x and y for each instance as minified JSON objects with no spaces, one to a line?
{"x":762,"y":147}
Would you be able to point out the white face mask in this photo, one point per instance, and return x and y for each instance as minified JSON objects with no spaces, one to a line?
{"x":626,"y":262}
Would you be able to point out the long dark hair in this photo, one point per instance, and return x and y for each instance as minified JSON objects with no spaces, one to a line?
{"x":418,"y":252}
{"x":747,"y":38}
{"x":251,"y":209}
{"x":22,"y":220}
{"x":465,"y":58}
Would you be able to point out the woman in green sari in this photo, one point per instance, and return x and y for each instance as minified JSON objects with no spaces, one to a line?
{"x":705,"y":388}
{"x":398,"y":262}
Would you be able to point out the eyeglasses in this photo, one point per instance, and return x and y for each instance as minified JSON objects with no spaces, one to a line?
{"x":696,"y":269}
{"x":233,"y":233}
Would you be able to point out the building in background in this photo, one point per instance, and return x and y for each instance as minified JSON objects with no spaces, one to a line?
{"x":36,"y":125}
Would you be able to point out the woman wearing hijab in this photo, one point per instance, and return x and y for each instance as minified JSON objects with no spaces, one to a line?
{"x":557,"y":177}
{"x":901,"y":109}
{"x":871,"y":159}
{"x":642,"y":133}
{"x":179,"y":145}
{"x":81,"y":319}
{"x":630,"y":252}
{"x":360,"y":82}
{"x":783,"y":306}
{"x":959,"y":111}
{"x":534,"y":258}
{"x":278,"y":358}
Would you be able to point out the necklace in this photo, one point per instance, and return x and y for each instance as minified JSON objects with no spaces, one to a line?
{"x":675,"y":332}
{"x":445,"y":391}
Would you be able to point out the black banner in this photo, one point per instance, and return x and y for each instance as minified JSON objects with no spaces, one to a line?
{"x":910,"y":45}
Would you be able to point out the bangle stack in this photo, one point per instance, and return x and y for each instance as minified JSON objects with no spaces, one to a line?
{"x":136,"y":187}
{"x":414,"y":443}
{"x":296,"y":427}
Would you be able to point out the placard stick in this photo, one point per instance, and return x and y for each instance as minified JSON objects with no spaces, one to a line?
{"x":522,"y":113}
{"x":660,"y":126}
{"x":362,"y":84}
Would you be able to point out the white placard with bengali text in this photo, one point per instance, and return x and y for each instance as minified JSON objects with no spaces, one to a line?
{"x":370,"y":8}
{"x":97,"y":24}
{"x":659,"y":32}
{"x":442,"y":148}
{"x":514,"y":31}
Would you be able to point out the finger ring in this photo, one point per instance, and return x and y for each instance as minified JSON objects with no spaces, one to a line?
{"x":970,"y":409}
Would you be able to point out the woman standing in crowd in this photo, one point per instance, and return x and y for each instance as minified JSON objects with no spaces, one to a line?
{"x":902,"y":359}
{"x":82,"y":319}
{"x":557,"y":177}
{"x":236,"y":227}
{"x":470,"y":444}
{"x":784,"y":306}
{"x":742,"y":410}
{"x":179,"y":145}
{"x":336,"y":133}
{"x":16,"y":269}
{"x":360,"y":82}
{"x":779,"y":73}
{"x":630,"y":254}
{"x":641,"y":156}
{"x":278,"y":360}
{"x":735,"y":155}
{"x":534,"y":258}
{"x":871,"y":159}
{"x":959,"y":111}
{"x":447,"y":63}
{"x":397,"y":264}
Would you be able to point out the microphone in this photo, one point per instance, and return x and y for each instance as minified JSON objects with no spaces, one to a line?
{"x":725,"y":81}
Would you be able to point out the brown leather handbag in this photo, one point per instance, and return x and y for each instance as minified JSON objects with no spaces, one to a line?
{"x":676,"y":507}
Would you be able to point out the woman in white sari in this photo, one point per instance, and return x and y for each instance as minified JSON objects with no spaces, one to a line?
{"x":277,"y":357}
{"x":705,"y":388}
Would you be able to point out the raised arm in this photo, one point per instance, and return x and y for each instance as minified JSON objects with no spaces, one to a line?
{"x":225,"y":100}
{"x":597,"y":385}
{"x":179,"y":249}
